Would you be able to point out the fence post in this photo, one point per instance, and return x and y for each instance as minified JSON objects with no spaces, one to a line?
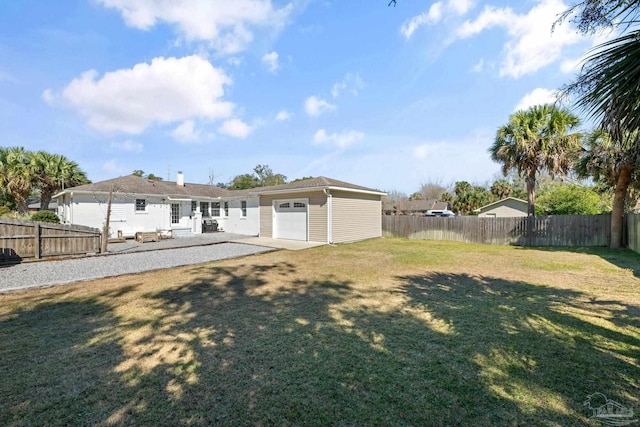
{"x":36,"y":244}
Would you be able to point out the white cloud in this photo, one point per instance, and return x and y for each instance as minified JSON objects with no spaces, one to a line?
{"x":127,"y":146}
{"x":112,"y":167}
{"x":460,"y":7}
{"x":165,"y":91}
{"x":351,"y":82}
{"x":437,"y":12}
{"x":433,"y":15}
{"x":48,"y":97}
{"x":424,"y":151}
{"x":531,"y":44}
{"x":478,"y":67}
{"x":315,"y":106}
{"x":283,"y":115}
{"x":271,"y":61}
{"x":337,"y":88}
{"x":340,"y":140}
{"x":226,"y":25}
{"x":569,"y":66}
{"x":538,"y":96}
{"x":186,"y":132}
{"x":235,"y":128}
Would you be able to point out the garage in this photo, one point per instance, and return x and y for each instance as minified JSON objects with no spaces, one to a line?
{"x":290,"y":219}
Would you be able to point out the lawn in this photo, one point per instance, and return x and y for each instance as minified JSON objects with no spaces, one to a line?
{"x":387,"y":332}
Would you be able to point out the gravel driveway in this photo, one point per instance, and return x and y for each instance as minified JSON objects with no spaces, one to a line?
{"x":46,"y":273}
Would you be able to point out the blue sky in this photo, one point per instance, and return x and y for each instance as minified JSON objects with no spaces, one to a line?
{"x":386,"y":97}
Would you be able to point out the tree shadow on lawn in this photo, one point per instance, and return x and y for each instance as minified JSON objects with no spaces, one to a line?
{"x":625,"y":259}
{"x":250,"y":345}
{"x":56,"y":363}
{"x":537,"y":351}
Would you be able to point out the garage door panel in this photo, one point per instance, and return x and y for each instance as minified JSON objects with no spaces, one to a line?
{"x":290,"y":219}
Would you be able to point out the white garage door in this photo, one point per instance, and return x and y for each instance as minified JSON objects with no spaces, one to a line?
{"x":290,"y":219}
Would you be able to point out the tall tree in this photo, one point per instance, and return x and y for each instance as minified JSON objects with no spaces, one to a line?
{"x":53,"y":172}
{"x":17,"y":175}
{"x":432,"y":190}
{"x":263,"y":176}
{"x":266,"y":177}
{"x":151,"y":176}
{"x":538,"y":139}
{"x":470,"y":197}
{"x":615,"y":163}
{"x":243,"y":182}
{"x":501,"y":188}
{"x":607,"y":89}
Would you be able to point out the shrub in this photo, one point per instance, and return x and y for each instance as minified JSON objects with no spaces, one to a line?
{"x":45,"y":216}
{"x":4,"y":210}
{"x":569,"y":199}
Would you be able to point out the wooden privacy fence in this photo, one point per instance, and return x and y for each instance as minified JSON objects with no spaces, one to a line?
{"x":632,"y":223}
{"x":27,"y":239}
{"x":560,"y":230}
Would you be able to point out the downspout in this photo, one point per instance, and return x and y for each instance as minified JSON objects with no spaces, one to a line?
{"x":327,"y":193}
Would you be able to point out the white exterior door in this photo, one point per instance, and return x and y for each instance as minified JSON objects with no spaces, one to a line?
{"x":290,"y":219}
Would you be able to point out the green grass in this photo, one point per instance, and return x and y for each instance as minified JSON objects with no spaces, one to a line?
{"x":383,"y":332}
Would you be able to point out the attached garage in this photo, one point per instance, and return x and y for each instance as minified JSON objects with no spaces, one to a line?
{"x":320,"y":210}
{"x":290,"y":219}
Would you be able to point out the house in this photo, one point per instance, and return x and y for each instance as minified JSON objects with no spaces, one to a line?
{"x":316,"y":209}
{"x":507,"y":207}
{"x":34,"y":206}
{"x":416,"y":207}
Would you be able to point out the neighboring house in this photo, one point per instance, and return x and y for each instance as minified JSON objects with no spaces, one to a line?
{"x":507,"y":207}
{"x":317,"y":209}
{"x":415,"y":207}
{"x":34,"y":206}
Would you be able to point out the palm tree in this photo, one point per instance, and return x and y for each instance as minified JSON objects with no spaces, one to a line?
{"x":615,"y":164}
{"x":501,"y":188}
{"x":17,"y":175}
{"x":608,"y":90}
{"x":53,"y":171}
{"x":536,"y":140}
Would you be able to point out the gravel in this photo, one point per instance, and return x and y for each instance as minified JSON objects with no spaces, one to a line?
{"x":47,"y":273}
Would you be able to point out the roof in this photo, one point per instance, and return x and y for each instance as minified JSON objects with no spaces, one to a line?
{"x":138,"y":185}
{"x":418,"y":205}
{"x":499,"y":202}
{"x":320,"y":182}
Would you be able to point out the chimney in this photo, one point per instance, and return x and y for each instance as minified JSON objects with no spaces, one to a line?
{"x":180,"y":179}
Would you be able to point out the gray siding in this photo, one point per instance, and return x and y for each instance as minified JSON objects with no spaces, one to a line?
{"x":355,"y":216}
{"x":505,"y":209}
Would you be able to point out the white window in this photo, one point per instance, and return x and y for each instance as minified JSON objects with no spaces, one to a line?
{"x":226,"y":209}
{"x":243,"y":208}
{"x":141,"y":205}
{"x":299,"y":205}
{"x":285,"y":205}
{"x":215,"y":208}
{"x":194,"y":205}
{"x":175,"y":213}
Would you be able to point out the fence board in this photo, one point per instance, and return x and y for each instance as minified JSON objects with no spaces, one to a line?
{"x":560,"y":230}
{"x":27,"y":239}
